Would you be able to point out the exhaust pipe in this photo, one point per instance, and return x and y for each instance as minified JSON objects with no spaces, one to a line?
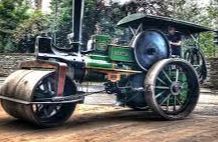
{"x":77,"y":22}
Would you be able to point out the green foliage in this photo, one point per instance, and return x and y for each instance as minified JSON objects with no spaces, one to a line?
{"x":31,"y":26}
{"x":186,"y":10}
{"x":19,"y":25}
{"x":9,"y":46}
{"x":206,"y":43}
{"x":210,"y":20}
{"x":25,"y":33}
{"x":12,"y":13}
{"x":60,"y":20}
{"x":90,"y":18}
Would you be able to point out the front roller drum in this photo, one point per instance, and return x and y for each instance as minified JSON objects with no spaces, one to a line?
{"x":172,"y":88}
{"x":33,"y":85}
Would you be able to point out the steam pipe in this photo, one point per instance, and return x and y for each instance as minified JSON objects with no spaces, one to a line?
{"x":77,"y":22}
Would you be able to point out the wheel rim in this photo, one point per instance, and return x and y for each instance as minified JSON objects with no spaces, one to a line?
{"x":175,"y":89}
{"x":197,"y":60}
{"x":51,"y":114}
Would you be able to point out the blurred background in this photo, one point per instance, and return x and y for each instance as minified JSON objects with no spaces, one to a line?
{"x":22,"y":20}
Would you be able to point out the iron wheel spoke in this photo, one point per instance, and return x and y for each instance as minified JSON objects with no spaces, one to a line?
{"x":160,"y":80}
{"x":197,"y":68}
{"x":168,"y":78}
{"x":40,"y":110}
{"x":162,"y":87}
{"x":49,"y":87}
{"x":178,"y":101}
{"x":174,"y":106}
{"x":168,"y":103}
{"x":46,"y":114}
{"x":158,"y":95}
{"x":177,"y":75}
{"x":167,"y":98}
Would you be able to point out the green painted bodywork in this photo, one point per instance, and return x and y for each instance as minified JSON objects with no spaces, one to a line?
{"x":99,"y":57}
{"x":101,"y":43}
{"x":121,"y":53}
{"x":96,"y":63}
{"x":110,"y":57}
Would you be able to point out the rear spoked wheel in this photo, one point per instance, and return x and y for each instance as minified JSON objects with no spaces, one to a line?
{"x":172,"y":88}
{"x":196,"y":58}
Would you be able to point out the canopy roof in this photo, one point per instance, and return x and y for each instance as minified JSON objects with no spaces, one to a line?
{"x":160,"y":22}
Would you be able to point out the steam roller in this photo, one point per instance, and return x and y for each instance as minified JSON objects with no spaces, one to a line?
{"x":141,"y":75}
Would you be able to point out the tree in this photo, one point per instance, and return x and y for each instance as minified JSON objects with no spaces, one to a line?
{"x":181,"y":9}
{"x":12,"y":13}
{"x":19,"y":25}
{"x":24,"y":35}
{"x":210,"y":19}
{"x":61,"y":20}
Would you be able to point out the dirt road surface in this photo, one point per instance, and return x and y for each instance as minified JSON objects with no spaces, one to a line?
{"x":105,"y":123}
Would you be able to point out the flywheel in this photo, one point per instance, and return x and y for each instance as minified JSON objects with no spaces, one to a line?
{"x":149,"y":47}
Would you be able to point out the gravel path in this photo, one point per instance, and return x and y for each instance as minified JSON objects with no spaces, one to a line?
{"x":106,"y":123}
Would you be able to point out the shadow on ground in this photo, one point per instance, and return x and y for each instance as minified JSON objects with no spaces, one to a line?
{"x":11,"y":124}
